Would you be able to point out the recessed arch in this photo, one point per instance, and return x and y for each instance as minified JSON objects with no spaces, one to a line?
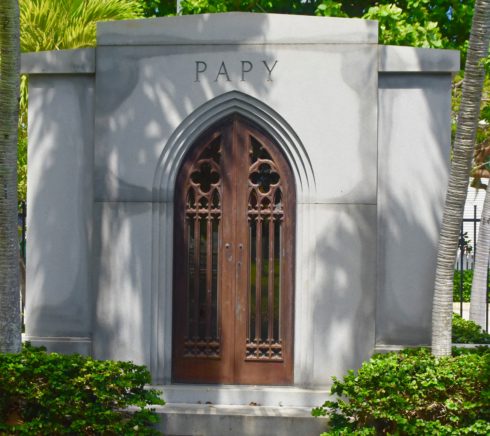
{"x":176,"y":148}
{"x":234,"y":216}
{"x":211,"y":112}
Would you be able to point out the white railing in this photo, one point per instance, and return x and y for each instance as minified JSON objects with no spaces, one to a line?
{"x":468,"y":261}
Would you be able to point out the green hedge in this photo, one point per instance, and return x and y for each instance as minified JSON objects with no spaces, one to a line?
{"x":467,"y":280}
{"x":50,"y":393}
{"x":413,"y":393}
{"x":468,"y":332}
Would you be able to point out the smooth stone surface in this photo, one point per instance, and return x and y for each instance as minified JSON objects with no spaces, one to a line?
{"x":79,"y":61}
{"x":122,"y":266}
{"x":210,"y":420}
{"x":237,"y":28}
{"x":369,"y":153}
{"x":145,"y":93}
{"x":63,"y":345}
{"x":412,"y":184}
{"x":270,"y":396}
{"x":335,"y":290}
{"x":412,"y":59}
{"x":59,"y":212}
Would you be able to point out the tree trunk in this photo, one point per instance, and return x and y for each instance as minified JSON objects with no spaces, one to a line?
{"x":10,"y":328}
{"x":458,"y":179}
{"x":478,"y":305}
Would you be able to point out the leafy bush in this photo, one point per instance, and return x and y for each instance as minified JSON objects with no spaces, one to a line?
{"x":413,"y":393}
{"x":50,"y":393}
{"x":468,"y":332}
{"x":467,"y":280}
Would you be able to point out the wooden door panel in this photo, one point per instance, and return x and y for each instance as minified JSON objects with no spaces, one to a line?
{"x":233,"y":285}
{"x":201,"y":335}
{"x":263,"y":338}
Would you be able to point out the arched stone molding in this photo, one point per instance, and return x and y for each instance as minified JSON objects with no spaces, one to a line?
{"x":211,"y":112}
{"x":163,"y":194}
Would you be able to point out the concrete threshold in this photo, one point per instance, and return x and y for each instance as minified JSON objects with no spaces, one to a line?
{"x":218,"y":420}
{"x":215,"y":410}
{"x":239,"y":395}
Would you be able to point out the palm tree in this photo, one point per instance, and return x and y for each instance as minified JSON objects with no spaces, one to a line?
{"x":68,"y":24}
{"x":480,"y":276}
{"x":59,"y":25}
{"x":458,"y":180}
{"x":45,"y":25}
{"x":10,"y":329}
{"x":478,"y":305}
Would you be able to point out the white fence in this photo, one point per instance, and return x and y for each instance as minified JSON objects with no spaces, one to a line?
{"x":464,"y":261}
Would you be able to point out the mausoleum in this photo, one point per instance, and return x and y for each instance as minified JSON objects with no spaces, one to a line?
{"x":248,"y":204}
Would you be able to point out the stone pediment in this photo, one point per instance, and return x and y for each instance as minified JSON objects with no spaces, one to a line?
{"x":238,"y":28}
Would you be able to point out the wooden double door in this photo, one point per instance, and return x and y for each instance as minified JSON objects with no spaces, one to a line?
{"x":233,"y":259}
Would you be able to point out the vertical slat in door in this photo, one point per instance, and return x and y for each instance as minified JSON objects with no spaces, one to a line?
{"x":265,"y":351}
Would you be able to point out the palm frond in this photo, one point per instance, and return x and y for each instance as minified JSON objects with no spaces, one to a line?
{"x":67,"y":24}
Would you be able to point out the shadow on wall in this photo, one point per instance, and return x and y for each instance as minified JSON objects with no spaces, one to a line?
{"x":337,"y":247}
{"x":142,"y":97}
{"x":414,"y":171}
{"x":60,"y":206}
{"x":358,"y":277}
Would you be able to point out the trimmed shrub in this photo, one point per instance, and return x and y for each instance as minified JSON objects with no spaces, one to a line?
{"x":468,"y":332}
{"x":50,"y":393}
{"x":413,"y":393}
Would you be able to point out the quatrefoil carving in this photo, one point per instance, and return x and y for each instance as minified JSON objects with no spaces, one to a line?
{"x":205,"y":177}
{"x":264,"y":177}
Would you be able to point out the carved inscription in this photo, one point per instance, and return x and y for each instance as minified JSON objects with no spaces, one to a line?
{"x":222,"y":71}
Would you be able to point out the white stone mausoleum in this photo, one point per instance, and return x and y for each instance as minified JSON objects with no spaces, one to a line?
{"x":248,"y":204}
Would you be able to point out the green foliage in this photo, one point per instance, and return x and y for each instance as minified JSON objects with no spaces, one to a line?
{"x":421,"y":23}
{"x":330,"y":8}
{"x":409,"y":26}
{"x":454,"y":19}
{"x":158,"y":8}
{"x":22,"y":165}
{"x":59,"y":25}
{"x":272,"y":6}
{"x":468,"y":332}
{"x":467,"y":281}
{"x":22,"y":142}
{"x":43,"y":393}
{"x":67,"y":24}
{"x":424,"y":23}
{"x":413,"y":393}
{"x":189,"y":7}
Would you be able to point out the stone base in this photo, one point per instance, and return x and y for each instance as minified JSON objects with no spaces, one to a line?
{"x":63,"y":345}
{"x":239,"y":395}
{"x":211,"y":420}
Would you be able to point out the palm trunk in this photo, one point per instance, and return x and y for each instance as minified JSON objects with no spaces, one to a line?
{"x":478,"y":305}
{"x":10,"y":329}
{"x":458,"y":179}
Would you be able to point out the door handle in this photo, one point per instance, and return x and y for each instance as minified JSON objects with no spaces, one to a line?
{"x":228,"y":252}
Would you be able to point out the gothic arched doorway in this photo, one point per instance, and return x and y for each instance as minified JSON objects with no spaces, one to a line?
{"x":233,"y":259}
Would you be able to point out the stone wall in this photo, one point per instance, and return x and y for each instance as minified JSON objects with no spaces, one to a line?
{"x":366,"y":130}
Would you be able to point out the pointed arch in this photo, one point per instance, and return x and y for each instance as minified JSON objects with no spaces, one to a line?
{"x":179,"y":143}
{"x":234,"y":251}
{"x":211,"y":112}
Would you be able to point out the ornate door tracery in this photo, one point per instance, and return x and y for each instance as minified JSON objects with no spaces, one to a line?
{"x":233,"y":267}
